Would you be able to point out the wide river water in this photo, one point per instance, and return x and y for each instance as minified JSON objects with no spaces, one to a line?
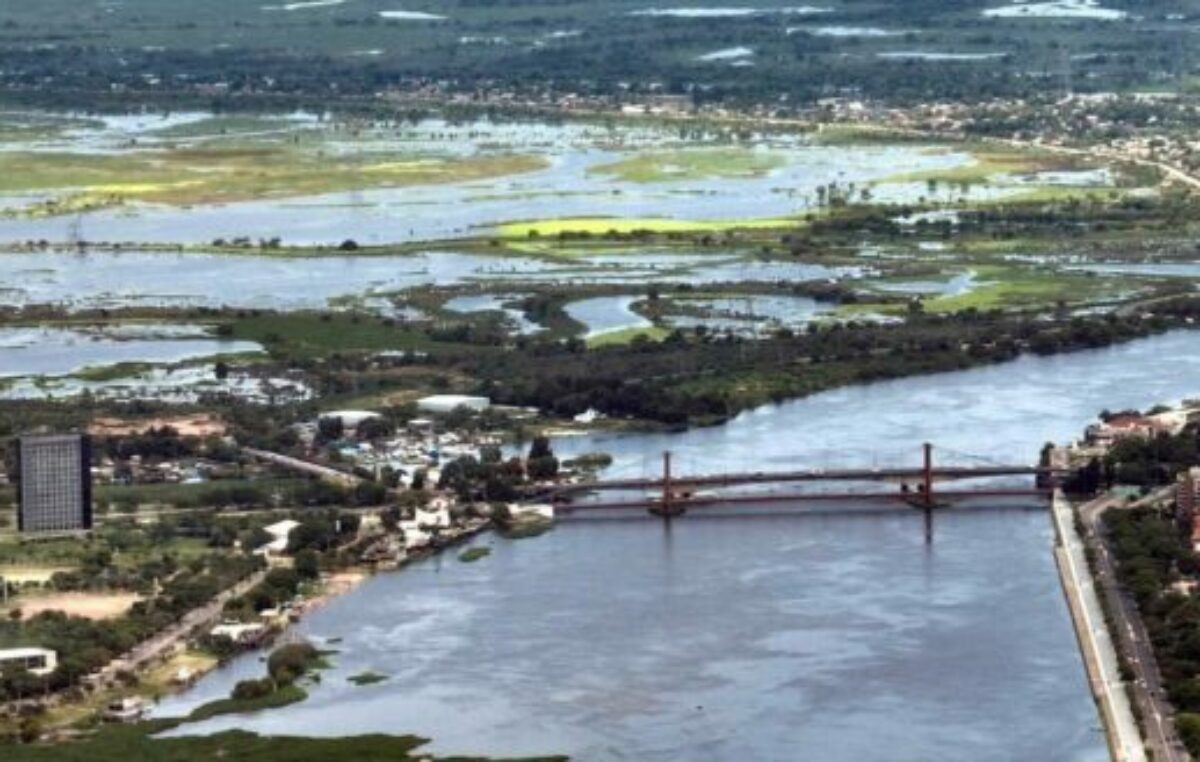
{"x":816,"y":634}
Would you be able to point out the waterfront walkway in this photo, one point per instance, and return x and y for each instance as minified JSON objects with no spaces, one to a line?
{"x":1099,"y":653}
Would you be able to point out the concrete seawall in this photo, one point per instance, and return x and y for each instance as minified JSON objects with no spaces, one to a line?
{"x":1095,"y":642}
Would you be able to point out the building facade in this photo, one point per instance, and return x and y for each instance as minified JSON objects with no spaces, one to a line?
{"x":54,"y":488}
{"x":37,"y":661}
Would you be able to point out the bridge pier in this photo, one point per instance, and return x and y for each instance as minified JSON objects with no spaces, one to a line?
{"x":927,"y":475}
{"x":666,"y":507}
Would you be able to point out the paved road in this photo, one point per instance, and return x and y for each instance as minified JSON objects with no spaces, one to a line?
{"x":304,"y":466}
{"x":1148,"y":692}
{"x":1099,"y":653}
{"x":154,"y":648}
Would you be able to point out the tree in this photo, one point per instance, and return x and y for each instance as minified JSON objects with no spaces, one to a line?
{"x":330,"y":428}
{"x":490,"y":455}
{"x":249,"y":690}
{"x":373,"y":428}
{"x":288,"y":663}
{"x":541,"y":464}
{"x":542,"y":468}
{"x":307,"y":564}
{"x":540,"y":447}
{"x":369,"y":493}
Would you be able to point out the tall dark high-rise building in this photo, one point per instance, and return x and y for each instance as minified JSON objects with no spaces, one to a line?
{"x":54,"y":487}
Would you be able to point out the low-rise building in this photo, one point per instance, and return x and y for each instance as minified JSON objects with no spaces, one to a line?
{"x":242,"y":633}
{"x":447,"y":403}
{"x":1128,"y":426}
{"x":37,"y":661}
{"x":279,"y":532}
{"x":129,"y":709}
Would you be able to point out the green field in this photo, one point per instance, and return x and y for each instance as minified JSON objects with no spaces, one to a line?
{"x":696,"y":164}
{"x":602,"y":226}
{"x":123,"y":743}
{"x":213,"y":174}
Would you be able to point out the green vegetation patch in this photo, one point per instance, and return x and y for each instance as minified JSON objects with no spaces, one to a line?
{"x":1001,"y":287}
{"x":625,"y":226}
{"x":367,"y":678}
{"x":122,"y":743}
{"x":229,"y":172}
{"x":306,"y":334}
{"x":471,"y":555}
{"x":288,"y":694}
{"x":692,"y":164}
{"x":649,"y":333}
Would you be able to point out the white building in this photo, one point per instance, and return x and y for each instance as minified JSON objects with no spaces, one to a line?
{"x":279,"y":532}
{"x":446,"y":403}
{"x":351,"y":419}
{"x":433,"y":516}
{"x":414,"y":536}
{"x":239,"y":632}
{"x":38,"y":661}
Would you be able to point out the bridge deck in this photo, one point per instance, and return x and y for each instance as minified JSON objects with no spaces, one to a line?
{"x":711,"y":501}
{"x":812,"y":475}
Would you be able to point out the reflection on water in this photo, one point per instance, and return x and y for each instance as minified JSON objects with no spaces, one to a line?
{"x":108,"y":279}
{"x":831,"y":635}
{"x":566,"y":188}
{"x":606,"y":314}
{"x":58,"y":352}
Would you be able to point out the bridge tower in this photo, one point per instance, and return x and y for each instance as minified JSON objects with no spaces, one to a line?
{"x":927,"y":476}
{"x":666,"y":480}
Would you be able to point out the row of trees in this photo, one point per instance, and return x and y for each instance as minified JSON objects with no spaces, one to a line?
{"x":685,"y":379}
{"x":493,"y":479}
{"x":1152,"y":552}
{"x":84,"y":645}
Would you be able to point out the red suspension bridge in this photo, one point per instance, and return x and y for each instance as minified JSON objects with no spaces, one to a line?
{"x":670,"y":494}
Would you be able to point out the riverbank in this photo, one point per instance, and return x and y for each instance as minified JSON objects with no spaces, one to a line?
{"x":1095,"y":642}
{"x":945,"y":600}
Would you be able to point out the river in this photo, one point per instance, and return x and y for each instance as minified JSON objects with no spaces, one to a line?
{"x":817,"y":634}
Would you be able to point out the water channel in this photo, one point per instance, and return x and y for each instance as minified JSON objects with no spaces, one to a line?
{"x":819,"y":634}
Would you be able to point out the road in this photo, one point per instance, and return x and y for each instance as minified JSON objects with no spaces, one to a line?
{"x":150,"y":650}
{"x":1095,"y":642}
{"x":304,"y":467}
{"x":1148,"y":692}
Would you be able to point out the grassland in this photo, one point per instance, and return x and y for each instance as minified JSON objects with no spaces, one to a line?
{"x":231,"y":172}
{"x":123,"y":743}
{"x":182,"y":495}
{"x":1015,"y":288}
{"x":627,"y":335}
{"x":306,"y":334}
{"x":285,"y":696}
{"x":691,"y":164}
{"x":602,"y":226}
{"x":67,"y":553}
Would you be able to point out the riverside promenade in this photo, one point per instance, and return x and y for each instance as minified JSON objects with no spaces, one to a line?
{"x":1095,"y":642}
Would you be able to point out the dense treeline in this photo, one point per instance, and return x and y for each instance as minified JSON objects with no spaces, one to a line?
{"x":480,"y":48}
{"x":1154,"y":461}
{"x":1151,"y":552}
{"x":688,"y":380}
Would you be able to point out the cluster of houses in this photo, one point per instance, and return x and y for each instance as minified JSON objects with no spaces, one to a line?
{"x":1102,"y":435}
{"x":421,"y":447}
{"x":185,"y":471}
{"x":1112,"y":429}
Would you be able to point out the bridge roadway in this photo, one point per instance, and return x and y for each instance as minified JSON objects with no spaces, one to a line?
{"x":941,"y":473}
{"x":767,"y":498}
